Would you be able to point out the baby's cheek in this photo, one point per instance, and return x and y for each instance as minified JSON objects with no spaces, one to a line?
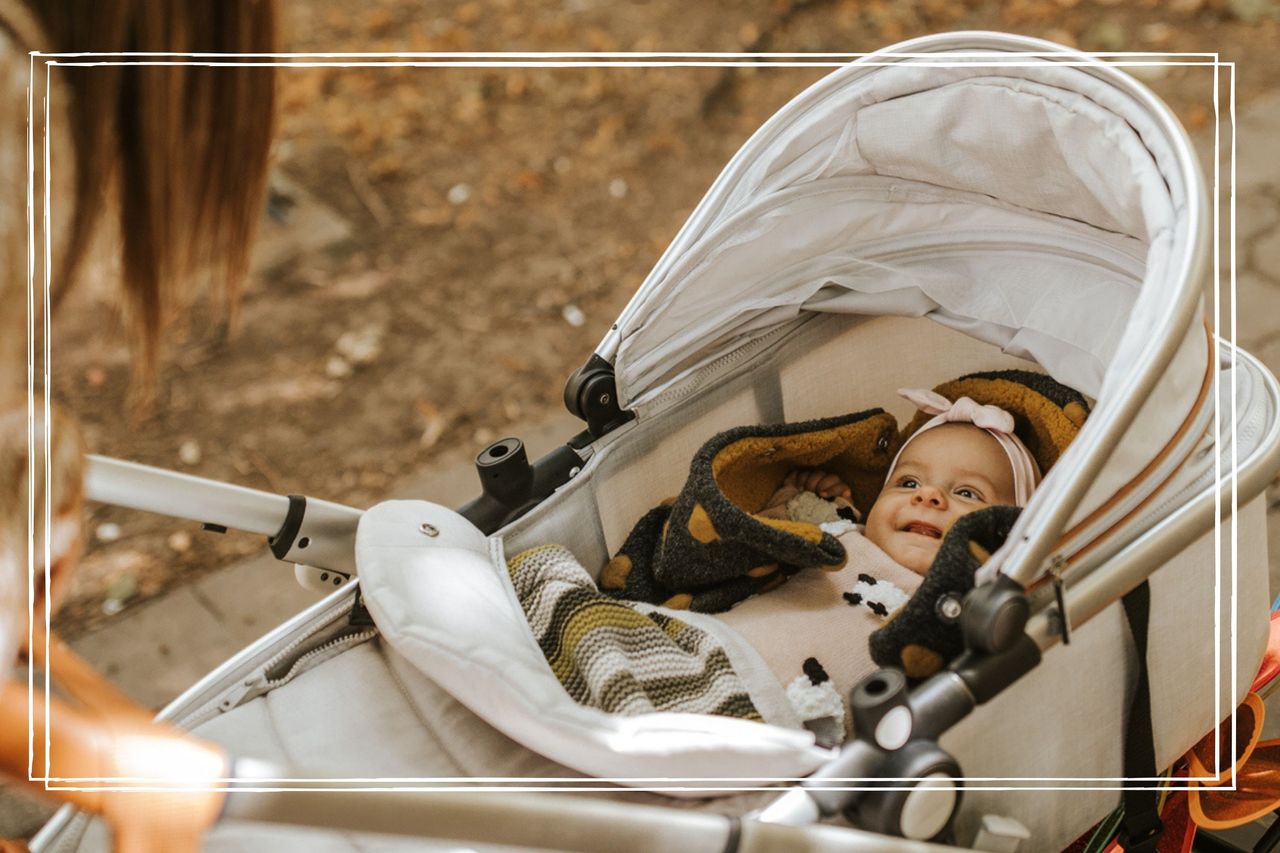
{"x":879,"y":534}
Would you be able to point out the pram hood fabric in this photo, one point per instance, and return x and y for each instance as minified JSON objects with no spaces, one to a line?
{"x":874,"y":164}
{"x":1042,"y":202}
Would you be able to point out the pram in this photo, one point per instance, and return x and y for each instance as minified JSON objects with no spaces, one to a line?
{"x":902,"y":221}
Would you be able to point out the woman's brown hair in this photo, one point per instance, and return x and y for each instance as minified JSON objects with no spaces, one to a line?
{"x":181,"y":151}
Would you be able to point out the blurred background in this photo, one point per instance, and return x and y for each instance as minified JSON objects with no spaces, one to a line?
{"x":442,"y":247}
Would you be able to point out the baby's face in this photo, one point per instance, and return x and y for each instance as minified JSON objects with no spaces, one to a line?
{"x":947,"y":472}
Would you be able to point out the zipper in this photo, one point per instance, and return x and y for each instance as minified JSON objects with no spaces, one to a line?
{"x":306,"y":633}
{"x":714,"y":368}
{"x":252,"y":688}
{"x":1075,"y":247}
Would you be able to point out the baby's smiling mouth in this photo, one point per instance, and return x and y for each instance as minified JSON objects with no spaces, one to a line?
{"x":922,"y":529}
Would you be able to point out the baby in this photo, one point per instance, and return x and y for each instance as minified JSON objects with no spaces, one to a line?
{"x":963,"y":459}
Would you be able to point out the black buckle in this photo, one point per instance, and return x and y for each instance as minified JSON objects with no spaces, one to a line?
{"x":1142,"y":838}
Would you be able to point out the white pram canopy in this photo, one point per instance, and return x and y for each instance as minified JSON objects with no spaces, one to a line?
{"x":1037,"y":200}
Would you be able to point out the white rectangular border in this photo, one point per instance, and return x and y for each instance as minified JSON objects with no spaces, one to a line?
{"x":620,"y":59}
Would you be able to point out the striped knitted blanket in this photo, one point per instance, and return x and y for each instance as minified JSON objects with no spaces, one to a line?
{"x":611,"y":656}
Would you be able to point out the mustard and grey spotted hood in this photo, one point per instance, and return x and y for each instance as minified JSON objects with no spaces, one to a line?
{"x":710,"y":547}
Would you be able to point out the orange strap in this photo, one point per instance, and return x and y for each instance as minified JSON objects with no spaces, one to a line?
{"x":1270,"y":666}
{"x":1253,"y":765}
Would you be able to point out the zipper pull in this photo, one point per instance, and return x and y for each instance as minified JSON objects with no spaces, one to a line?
{"x":241,"y":694}
{"x":360,"y":617}
{"x":1061,"y":625}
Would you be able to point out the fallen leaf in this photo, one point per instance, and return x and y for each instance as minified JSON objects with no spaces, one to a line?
{"x":189,"y":452}
{"x":361,"y":346}
{"x":433,"y":423}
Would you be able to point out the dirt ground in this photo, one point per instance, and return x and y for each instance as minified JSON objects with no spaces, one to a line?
{"x":444,"y":246}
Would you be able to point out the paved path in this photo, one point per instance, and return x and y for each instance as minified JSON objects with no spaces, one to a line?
{"x":155,"y":651}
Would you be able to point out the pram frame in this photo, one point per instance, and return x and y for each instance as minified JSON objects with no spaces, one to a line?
{"x":1085,"y":597}
{"x":1029,"y":555}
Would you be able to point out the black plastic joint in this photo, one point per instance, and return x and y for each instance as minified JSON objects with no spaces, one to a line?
{"x":987,"y":674}
{"x":282,"y":543}
{"x":994,"y":616}
{"x":592,"y":394}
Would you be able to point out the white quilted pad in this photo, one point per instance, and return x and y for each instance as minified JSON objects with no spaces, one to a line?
{"x":442,"y":599}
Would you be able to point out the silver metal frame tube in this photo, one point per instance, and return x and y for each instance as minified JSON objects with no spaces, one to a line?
{"x":128,"y":484}
{"x":325,"y":537}
{"x":555,"y":822}
{"x":1090,"y":590}
{"x":1096,"y":591}
{"x":546,"y":821}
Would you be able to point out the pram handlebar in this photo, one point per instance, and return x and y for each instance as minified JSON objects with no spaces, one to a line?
{"x":302,"y":530}
{"x":129,"y":484}
{"x":526,"y":820}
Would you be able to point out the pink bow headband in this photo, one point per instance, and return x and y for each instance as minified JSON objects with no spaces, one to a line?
{"x":995,"y":420}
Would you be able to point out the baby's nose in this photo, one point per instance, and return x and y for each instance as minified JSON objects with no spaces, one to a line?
{"x":930,"y":496}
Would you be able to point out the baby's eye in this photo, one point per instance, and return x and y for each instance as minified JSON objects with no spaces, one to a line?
{"x":909,"y":483}
{"x":969,"y":494}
